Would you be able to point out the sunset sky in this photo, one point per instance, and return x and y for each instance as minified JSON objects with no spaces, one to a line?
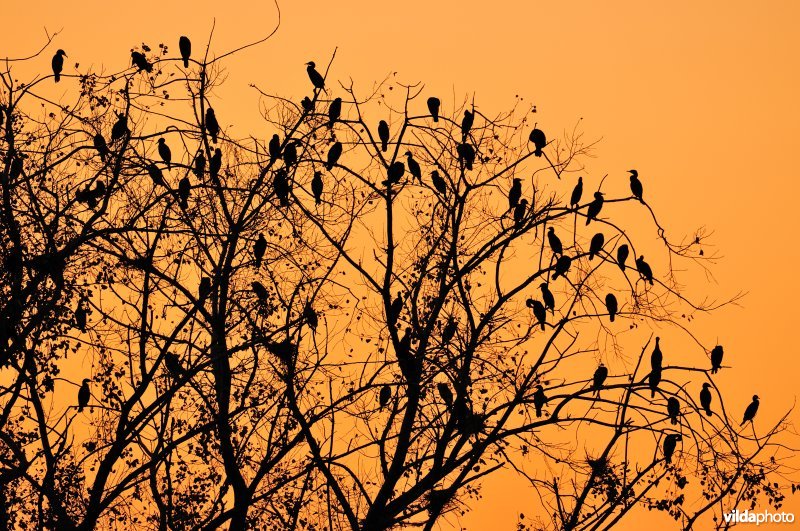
{"x":701,"y":98}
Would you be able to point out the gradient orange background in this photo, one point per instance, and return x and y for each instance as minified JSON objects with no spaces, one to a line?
{"x":701,"y":99}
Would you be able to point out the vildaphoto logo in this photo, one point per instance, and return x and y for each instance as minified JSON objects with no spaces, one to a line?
{"x":752,"y":517}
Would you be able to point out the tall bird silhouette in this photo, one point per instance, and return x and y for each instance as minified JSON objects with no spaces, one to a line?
{"x":705,"y":398}
{"x":156,"y":175}
{"x":384,"y":396}
{"x":554,"y":241}
{"x":445,"y":393}
{"x":199,"y":165}
{"x":577,"y":193}
{"x":413,"y":166}
{"x":599,"y":378}
{"x":185,"y":47}
{"x":290,"y":154}
{"x":395,"y":309}
{"x":673,"y":409}
{"x":395,"y":172}
{"x":539,"y":311}
{"x":539,"y":141}
{"x":383,"y":134}
{"x":84,"y":395}
{"x":184,"y":190}
{"x":259,"y":249}
{"x":563,"y":264}
{"x":670,"y":442}
{"x":315,"y":77}
{"x":212,"y":126}
{"x":281,"y":186}
{"x":58,"y":64}
{"x":466,"y":154}
{"x":81,"y":316}
{"x":333,"y":155}
{"x":204,"y":289}
{"x":539,"y":400}
{"x":644,"y":269}
{"x":120,"y":128}
{"x":547,"y":297}
{"x":449,"y":330}
{"x":274,"y":147}
{"x":140,"y":61}
{"x":716,"y":358}
{"x":334,"y":112}
{"x":164,"y":152}
{"x":636,"y":185}
{"x":622,"y":256}
{"x":405,"y":358}
{"x":438,"y":182}
{"x":611,"y":306}
{"x":594,"y":207}
{"x":466,"y":123}
{"x":215,"y":164}
{"x":596,"y":245}
{"x":101,"y":146}
{"x":514,"y":193}
{"x":310,"y":316}
{"x":654,"y":379}
{"x":519,"y":213}
{"x":433,"y":107}
{"x":750,"y":412}
{"x":316,"y":187}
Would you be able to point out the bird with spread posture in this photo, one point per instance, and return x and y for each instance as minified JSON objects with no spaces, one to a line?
{"x":316,"y":187}
{"x":514,"y":193}
{"x":705,"y":399}
{"x":466,"y":123}
{"x":384,"y":396}
{"x":184,"y":190}
{"x":596,"y":245}
{"x":656,"y":357}
{"x":539,"y":311}
{"x":750,"y":412}
{"x":577,"y":193}
{"x":644,"y":269}
{"x":519,"y":213}
{"x":554,"y":241}
{"x":316,"y":78}
{"x":673,"y":409}
{"x":445,"y":393}
{"x":599,"y":378}
{"x":334,"y":112}
{"x":611,"y":306}
{"x":539,"y":141}
{"x":185,"y":47}
{"x":140,"y":61}
{"x":433,"y":107}
{"x":547,"y":297}
{"x":259,"y":249}
{"x":84,"y":394}
{"x":383,"y":135}
{"x":164,"y":152}
{"x":274,"y":147}
{"x":594,"y":207}
{"x":438,"y":182}
{"x":716,"y":358}
{"x":413,"y":166}
{"x":563,"y":264}
{"x":58,"y":64}
{"x":212,"y":126}
{"x":622,"y":256}
{"x":539,"y":400}
{"x":670,"y":442}
{"x":636,"y":185}
{"x":333,"y":155}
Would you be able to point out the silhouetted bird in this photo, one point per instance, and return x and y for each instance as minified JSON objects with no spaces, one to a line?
{"x":215,"y":164}
{"x":673,"y":409}
{"x":433,"y":107}
{"x":384,"y":396}
{"x":611,"y":306}
{"x":405,"y":359}
{"x":310,"y":316}
{"x":395,"y":172}
{"x":17,"y":167}
{"x":413,"y":167}
{"x":539,"y":311}
{"x":445,"y":393}
{"x":594,"y":207}
{"x":539,"y":141}
{"x":383,"y":134}
{"x":599,"y":377}
{"x":212,"y":126}
{"x":449,"y":330}
{"x":705,"y":398}
{"x":155,"y":174}
{"x":438,"y":182}
{"x":716,"y":358}
{"x":120,"y":128}
{"x":563,"y":264}
{"x":173,"y":364}
{"x":164,"y":152}
{"x":259,"y":249}
{"x":656,"y":357}
{"x":315,"y":77}
{"x":334,"y":112}
{"x":466,"y":123}
{"x":596,"y":245}
{"x":316,"y":187}
{"x":281,"y":185}
{"x":81,"y":317}
{"x":636,"y":185}
{"x":307,"y":104}
{"x":750,"y":412}
{"x":622,"y":256}
{"x":547,"y":297}
{"x":184,"y":190}
{"x":84,"y":395}
{"x":514,"y":193}
{"x":466,"y":154}
{"x":395,"y":309}
{"x":644,"y":269}
{"x":653,"y":380}
{"x":185,"y":46}
{"x":101,"y":146}
{"x":204,"y":290}
{"x":577,"y":193}
{"x":260,"y":292}
{"x":539,"y":400}
{"x":284,"y":350}
{"x":141,"y":62}
{"x":58,"y":64}
{"x":274,"y":147}
{"x":519,"y":213}
{"x":199,"y":165}
{"x":554,"y":241}
{"x":333,"y":155}
{"x":290,"y":154}
{"x":670,"y":442}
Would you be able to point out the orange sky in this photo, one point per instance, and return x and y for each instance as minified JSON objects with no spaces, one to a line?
{"x":701,"y":99}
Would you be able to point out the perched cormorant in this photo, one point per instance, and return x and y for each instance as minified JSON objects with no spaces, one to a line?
{"x":260,"y":292}
{"x":449,"y":330}
{"x":315,"y":77}
{"x":141,"y":62}
{"x":539,"y":141}
{"x":577,"y":192}
{"x":519,"y":213}
{"x":212,"y":126}
{"x":438,"y":182}
{"x":316,"y":187}
{"x":199,"y":165}
{"x":101,"y":146}
{"x":120,"y":128}
{"x":514,"y":193}
{"x":310,"y":316}
{"x":204,"y":290}
{"x":290,"y":154}
{"x":466,"y":123}
{"x":466,"y":154}
{"x":215,"y":164}
{"x":596,"y":245}
{"x":670,"y":442}
{"x":405,"y":359}
{"x":281,"y":185}
{"x":673,"y":409}
{"x":433,"y":107}
{"x":395,"y":173}
{"x":155,"y":174}
{"x":599,"y":377}
{"x":164,"y":152}
{"x":656,"y":357}
{"x":547,"y":297}
{"x":58,"y":64}
{"x":184,"y":190}
{"x":383,"y":134}
{"x":274,"y":147}
{"x":333,"y":155}
{"x":539,"y":400}
{"x":384,"y":396}
{"x":413,"y":166}
{"x":750,"y":412}
{"x":84,"y":394}
{"x":644,"y":269}
{"x":594,"y":207}
{"x":716,"y":358}
{"x":445,"y":393}
{"x":259,"y":249}
{"x":395,"y":309}
{"x":705,"y":399}
{"x":611,"y":306}
{"x":81,"y":317}
{"x":554,"y":241}
{"x":173,"y":364}
{"x":334,"y":112}
{"x":622,"y":256}
{"x":307,"y":104}
{"x":636,"y":185}
{"x":185,"y":46}
{"x":563,"y":264}
{"x":539,"y":311}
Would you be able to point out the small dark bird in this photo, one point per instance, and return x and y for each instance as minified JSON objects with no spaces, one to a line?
{"x":334,"y":112}
{"x":596,"y":245}
{"x":215,"y":164}
{"x":554,"y":241}
{"x":750,"y":412}
{"x":315,"y":77}
{"x":466,"y":123}
{"x":466,"y":154}
{"x":577,"y":192}
{"x":705,"y":399}
{"x":184,"y":190}
{"x":185,"y":46}
{"x":290,"y":154}
{"x":395,"y":172}
{"x":384,"y":396}
{"x":539,"y":141}
{"x":307,"y":105}
{"x":445,"y":393}
{"x":141,"y":62}
{"x":164,"y":152}
{"x":599,"y":377}
{"x":120,"y":128}
{"x":84,"y":394}
{"x":653,"y":380}
{"x":413,"y":167}
{"x":644,"y":269}
{"x":199,"y":165}
{"x":438,"y":182}
{"x":514,"y":193}
{"x":656,"y":358}
{"x":212,"y":126}
{"x":155,"y":174}
{"x":673,"y":409}
{"x":519,"y":213}
{"x":395,"y":309}
{"x":563,"y":264}
{"x":204,"y":290}
{"x":636,"y":185}
{"x":611,"y":306}
{"x":449,"y":330}
{"x":539,"y":400}
{"x":285,"y":350}
{"x":81,"y":317}
{"x":260,"y":292}
{"x":101,"y":146}
{"x":259,"y":249}
{"x":173,"y":364}
{"x":716,"y":358}
{"x":383,"y":134}
{"x":274,"y":147}
{"x":58,"y":64}
{"x":547,"y":297}
{"x":539,"y":311}
{"x":622,"y":256}
{"x":333,"y":155}
{"x":405,"y":358}
{"x":670,"y":442}
{"x":281,"y":186}
{"x":311,"y":317}
{"x":594,"y":207}
{"x":316,"y":187}
{"x":433,"y":107}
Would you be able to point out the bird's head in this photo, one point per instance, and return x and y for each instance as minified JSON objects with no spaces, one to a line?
{"x":657,"y":340}
{"x":551,"y":230}
{"x":539,"y":387}
{"x":755,"y":398}
{"x":408,"y":154}
{"x":87,"y":380}
{"x":529,"y":302}
{"x":543,"y":285}
{"x":633,"y":173}
{"x":523,"y":202}
{"x":580,"y":179}
{"x":435,"y":173}
{"x":598,"y":195}
{"x":61,"y":52}
{"x":161,"y":140}
{"x":706,"y":385}
{"x":312,"y":64}
{"x":517,"y":180}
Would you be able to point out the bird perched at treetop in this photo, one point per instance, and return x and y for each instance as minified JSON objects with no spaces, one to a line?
{"x":58,"y":64}
{"x":185,"y":47}
{"x":539,"y":141}
{"x":594,"y":207}
{"x":383,"y":135}
{"x":433,"y":107}
{"x":164,"y":152}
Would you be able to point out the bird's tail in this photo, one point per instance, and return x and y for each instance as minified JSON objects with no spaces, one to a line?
{"x":709,"y":412}
{"x":674,"y":421}
{"x":186,"y":63}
